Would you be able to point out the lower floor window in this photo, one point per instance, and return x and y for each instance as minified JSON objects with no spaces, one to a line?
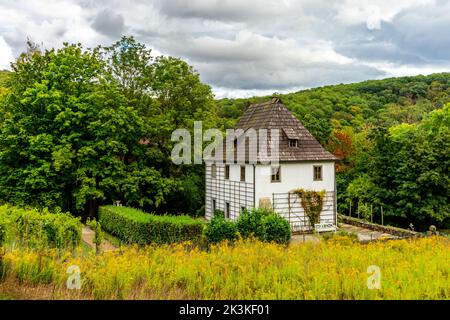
{"x":227,"y":210}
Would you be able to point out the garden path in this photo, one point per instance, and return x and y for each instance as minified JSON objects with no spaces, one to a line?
{"x":365,"y":235}
{"x":88,"y":236}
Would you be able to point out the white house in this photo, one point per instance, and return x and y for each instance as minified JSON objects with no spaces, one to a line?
{"x":303,"y":163}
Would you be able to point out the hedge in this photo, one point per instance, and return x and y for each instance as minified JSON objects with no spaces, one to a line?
{"x":135,"y":226}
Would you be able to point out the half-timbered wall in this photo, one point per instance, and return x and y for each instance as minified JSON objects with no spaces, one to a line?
{"x":239,"y":194}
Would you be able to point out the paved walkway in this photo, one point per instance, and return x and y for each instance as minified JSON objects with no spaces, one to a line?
{"x":365,"y":234}
{"x":87,"y":234}
{"x":299,"y":238}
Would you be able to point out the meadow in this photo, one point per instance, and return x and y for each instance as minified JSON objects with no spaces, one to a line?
{"x":247,"y":269}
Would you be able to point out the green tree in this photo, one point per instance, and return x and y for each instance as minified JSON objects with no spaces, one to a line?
{"x":168,"y":94}
{"x":65,"y":132}
{"x":411,"y":170}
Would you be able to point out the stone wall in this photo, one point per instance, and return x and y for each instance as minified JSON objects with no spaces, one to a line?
{"x":403,"y":233}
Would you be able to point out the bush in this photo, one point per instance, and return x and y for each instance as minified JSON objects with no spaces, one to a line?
{"x":219,"y":213}
{"x":249,"y":223}
{"x":135,"y":226}
{"x":220,"y":229}
{"x":275,"y":228}
{"x":260,"y":223}
{"x":33,"y":228}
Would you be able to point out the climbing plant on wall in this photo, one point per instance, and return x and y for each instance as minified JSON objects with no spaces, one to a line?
{"x":312,"y":203}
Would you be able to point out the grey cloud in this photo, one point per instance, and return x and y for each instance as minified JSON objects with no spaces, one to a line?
{"x":231,"y":10}
{"x":414,"y":37}
{"x":425,"y":32}
{"x":262,"y":77}
{"x":249,"y":46}
{"x":109,"y":23}
{"x":252,"y":61}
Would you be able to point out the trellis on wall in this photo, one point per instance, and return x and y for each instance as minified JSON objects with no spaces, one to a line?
{"x":289,"y":206}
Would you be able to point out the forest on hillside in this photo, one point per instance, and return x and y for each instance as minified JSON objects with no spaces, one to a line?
{"x":73,"y":120}
{"x":392,"y":137}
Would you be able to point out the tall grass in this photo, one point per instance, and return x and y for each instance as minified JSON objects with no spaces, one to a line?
{"x":335,"y":269}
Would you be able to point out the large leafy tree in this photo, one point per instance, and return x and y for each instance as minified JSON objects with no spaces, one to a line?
{"x":411,"y":170}
{"x":70,"y":138}
{"x":168,"y":94}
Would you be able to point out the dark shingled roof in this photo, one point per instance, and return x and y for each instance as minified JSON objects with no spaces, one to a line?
{"x":274,"y":115}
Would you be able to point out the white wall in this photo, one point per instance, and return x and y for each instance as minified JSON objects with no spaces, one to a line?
{"x":293,"y":176}
{"x":235,"y":173}
{"x":238,"y":194}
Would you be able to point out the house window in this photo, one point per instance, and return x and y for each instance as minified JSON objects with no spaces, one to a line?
{"x":213,"y":170}
{"x":242,"y":173}
{"x":227,"y":172}
{"x":227,"y":210}
{"x":317,"y":173}
{"x":293,"y":143}
{"x":242,"y":209}
{"x":275,"y":174}
{"x":214,"y":207}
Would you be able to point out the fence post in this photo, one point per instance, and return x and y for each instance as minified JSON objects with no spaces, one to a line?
{"x":382,"y":216}
{"x":358,"y":209}
{"x":371,"y":216}
{"x":350,"y":211}
{"x":273,"y":201}
{"x":289,"y":207}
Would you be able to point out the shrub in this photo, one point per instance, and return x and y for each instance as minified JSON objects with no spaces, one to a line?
{"x":33,"y":228}
{"x":276,"y":228}
{"x":220,"y":229}
{"x":219,"y":213}
{"x":260,"y":223}
{"x":135,"y":226}
{"x":249,"y":223}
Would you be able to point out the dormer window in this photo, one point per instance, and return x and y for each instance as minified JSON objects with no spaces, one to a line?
{"x":293,"y":143}
{"x":293,"y":137}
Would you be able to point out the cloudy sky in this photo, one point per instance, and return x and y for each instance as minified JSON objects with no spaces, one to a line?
{"x":249,"y":47}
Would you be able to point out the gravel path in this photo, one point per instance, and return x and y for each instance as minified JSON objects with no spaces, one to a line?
{"x":365,"y":234}
{"x":88,"y":236}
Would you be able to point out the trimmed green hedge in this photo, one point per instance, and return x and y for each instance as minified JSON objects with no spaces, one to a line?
{"x":135,"y":226}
